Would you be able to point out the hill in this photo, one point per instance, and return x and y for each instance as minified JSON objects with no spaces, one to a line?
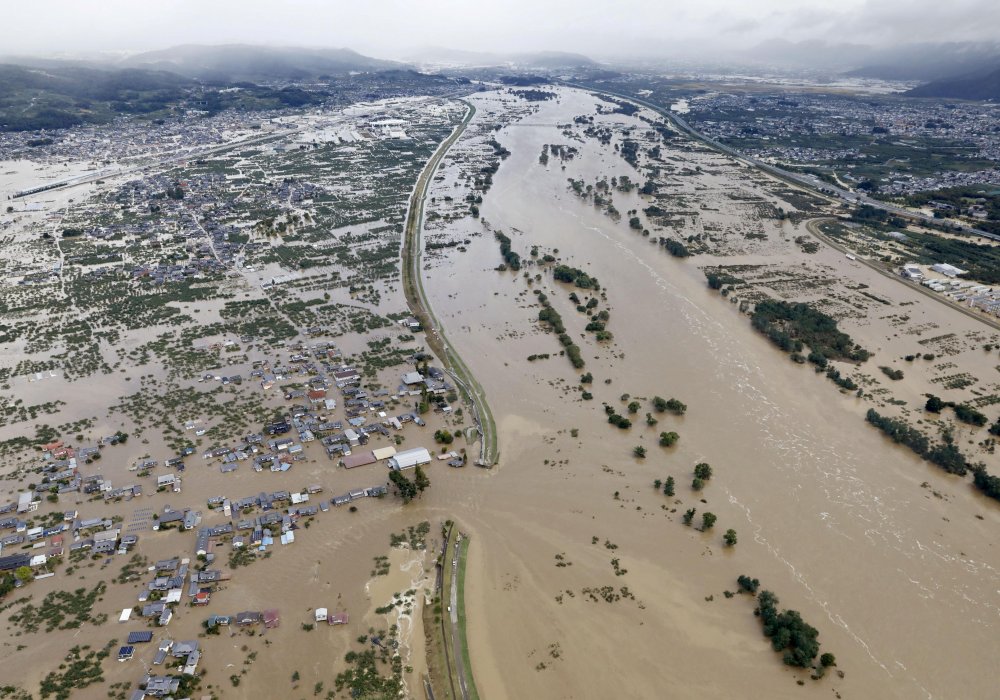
{"x":977,"y":86}
{"x":66,"y":95}
{"x":243,"y":62}
{"x":907,"y":62}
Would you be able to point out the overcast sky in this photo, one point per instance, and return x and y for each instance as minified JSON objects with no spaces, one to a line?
{"x":392,"y":27}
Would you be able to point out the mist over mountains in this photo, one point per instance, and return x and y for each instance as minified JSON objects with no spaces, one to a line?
{"x":908,"y":62}
{"x":249,"y":62}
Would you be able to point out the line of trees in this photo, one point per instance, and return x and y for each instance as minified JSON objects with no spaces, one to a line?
{"x":789,"y":326}
{"x":788,"y":632}
{"x":945,"y":455}
{"x":512,"y":259}
{"x":549,"y":315}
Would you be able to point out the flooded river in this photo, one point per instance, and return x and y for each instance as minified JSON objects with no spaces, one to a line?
{"x":902,"y":586}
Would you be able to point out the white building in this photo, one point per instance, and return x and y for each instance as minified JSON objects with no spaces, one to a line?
{"x":407,"y":459}
{"x":947,"y":270}
{"x":411,"y":378}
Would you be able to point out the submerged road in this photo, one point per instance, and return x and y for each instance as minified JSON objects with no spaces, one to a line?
{"x":416,"y":299}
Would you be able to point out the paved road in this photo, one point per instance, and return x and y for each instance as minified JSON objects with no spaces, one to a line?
{"x":456,"y":639}
{"x":416,"y":298}
{"x":813,"y":227}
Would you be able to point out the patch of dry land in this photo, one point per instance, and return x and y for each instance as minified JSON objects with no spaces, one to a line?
{"x":209,"y":310}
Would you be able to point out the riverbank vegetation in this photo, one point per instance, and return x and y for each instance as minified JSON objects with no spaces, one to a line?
{"x":791,"y":326}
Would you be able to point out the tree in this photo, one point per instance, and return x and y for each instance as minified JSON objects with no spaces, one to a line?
{"x":669,"y":439}
{"x":697,"y":484}
{"x":657,"y":484}
{"x":934,"y":404}
{"x":24,"y":574}
{"x":730,"y":537}
{"x":747,"y":584}
{"x":668,"y":487}
{"x":407,"y":490}
{"x":689,"y":516}
{"x":707,"y":521}
{"x":639,"y":451}
{"x":676,"y":407}
{"x":659,"y":404}
{"x":650,"y":420}
{"x":444,"y":437}
{"x":826,"y":660}
{"x":634,"y":407}
{"x":420,"y":480}
{"x":703,"y":471}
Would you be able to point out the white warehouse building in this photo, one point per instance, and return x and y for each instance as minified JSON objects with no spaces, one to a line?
{"x":407,"y":459}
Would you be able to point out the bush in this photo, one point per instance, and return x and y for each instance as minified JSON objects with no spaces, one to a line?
{"x":669,"y":439}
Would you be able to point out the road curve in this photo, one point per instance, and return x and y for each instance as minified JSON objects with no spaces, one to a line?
{"x":416,"y":299}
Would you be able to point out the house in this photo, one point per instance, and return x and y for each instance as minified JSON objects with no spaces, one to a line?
{"x":184,"y":648}
{"x":202,"y":598}
{"x":345,"y":375}
{"x":165,"y":480}
{"x":153,"y":609}
{"x":160,"y":686}
{"x":26,"y":502}
{"x":358,"y":459}
{"x":248,"y":617}
{"x":201,"y":542}
{"x":271,"y":618}
{"x":125,"y":653}
{"x":412,"y":378}
{"x":139,"y":637}
{"x":14,"y":561}
{"x":321,"y":614}
{"x":407,"y":459}
{"x":191,"y":663}
{"x":171,"y":517}
{"x":167,"y":565}
{"x":338,"y":619}
{"x":107,"y":536}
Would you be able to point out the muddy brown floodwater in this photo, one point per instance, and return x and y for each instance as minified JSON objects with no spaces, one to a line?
{"x":831,"y":517}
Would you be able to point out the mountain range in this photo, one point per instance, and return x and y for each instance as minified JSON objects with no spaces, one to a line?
{"x":236,"y":62}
